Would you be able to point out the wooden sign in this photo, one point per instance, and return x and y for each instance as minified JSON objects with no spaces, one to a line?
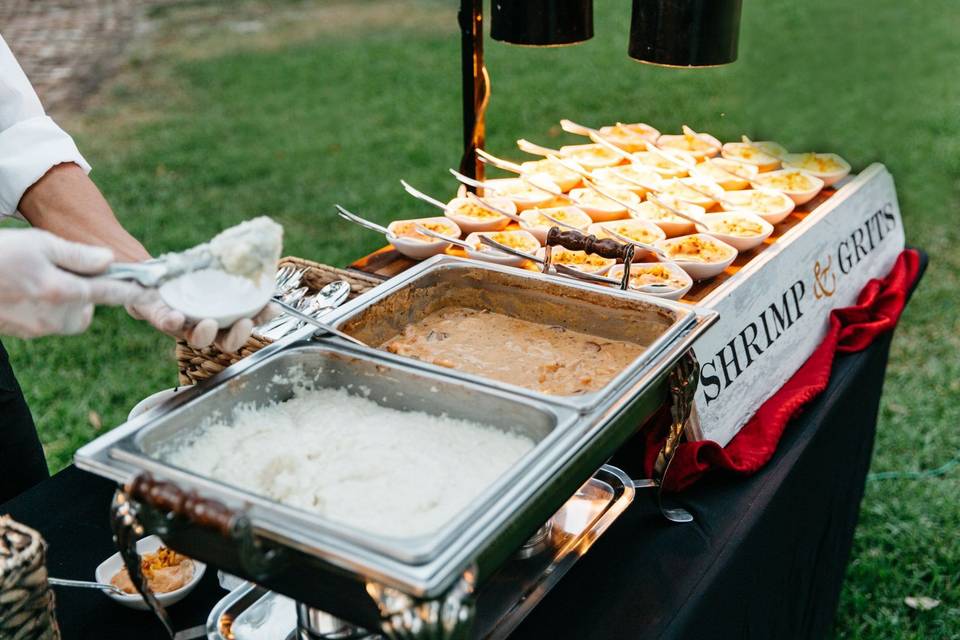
{"x":774,"y":311}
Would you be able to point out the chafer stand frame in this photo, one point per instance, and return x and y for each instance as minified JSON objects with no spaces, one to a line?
{"x":512,"y":592}
{"x":145,"y":503}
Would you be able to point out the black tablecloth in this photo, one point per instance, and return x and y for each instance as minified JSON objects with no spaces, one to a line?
{"x":765,"y":557}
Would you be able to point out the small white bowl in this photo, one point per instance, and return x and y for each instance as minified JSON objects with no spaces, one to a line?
{"x":626,"y":177}
{"x":700,"y":270}
{"x":744,"y":200}
{"x":616,"y":272}
{"x":523,"y":195}
{"x":112,"y":565}
{"x":531,"y":221}
{"x":557,"y":254}
{"x":748,"y":154}
{"x":772,"y":179}
{"x":591,"y":156}
{"x":672,"y":225}
{"x":630,"y":137}
{"x":812,"y":163}
{"x":421,"y":249}
{"x":471,"y":224}
{"x":709,"y":148}
{"x":600,"y":208}
{"x":740,"y":243}
{"x":679,"y":189}
{"x":154,"y":400}
{"x":665,"y":168}
{"x":554,"y":172}
{"x":629,"y":228}
{"x":490,"y":254}
{"x":718,"y":170}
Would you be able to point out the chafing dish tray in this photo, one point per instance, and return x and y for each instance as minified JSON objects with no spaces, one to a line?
{"x":374,"y":581}
{"x":445,"y":281}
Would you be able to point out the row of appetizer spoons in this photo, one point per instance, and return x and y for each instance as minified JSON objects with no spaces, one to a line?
{"x":686,"y":200}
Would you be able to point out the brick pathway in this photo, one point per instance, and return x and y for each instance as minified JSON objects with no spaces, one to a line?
{"x":67,"y":47}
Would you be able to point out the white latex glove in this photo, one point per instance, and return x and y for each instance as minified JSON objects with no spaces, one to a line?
{"x":38,"y":293}
{"x":203,"y":333}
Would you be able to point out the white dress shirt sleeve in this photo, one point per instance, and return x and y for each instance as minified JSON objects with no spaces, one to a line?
{"x":30,"y":142}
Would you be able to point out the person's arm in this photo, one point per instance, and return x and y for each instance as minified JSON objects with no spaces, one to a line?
{"x":68,"y":204}
{"x":43,"y":178}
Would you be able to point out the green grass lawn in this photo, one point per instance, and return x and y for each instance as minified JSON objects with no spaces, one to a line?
{"x":288,"y":108}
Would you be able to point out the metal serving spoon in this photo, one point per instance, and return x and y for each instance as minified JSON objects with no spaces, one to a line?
{"x":329,"y":297}
{"x":326,"y":328}
{"x":85,"y":584}
{"x":363,"y":222}
{"x":420,"y":195}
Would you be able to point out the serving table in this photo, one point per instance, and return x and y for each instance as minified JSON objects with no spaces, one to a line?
{"x":765,"y":556}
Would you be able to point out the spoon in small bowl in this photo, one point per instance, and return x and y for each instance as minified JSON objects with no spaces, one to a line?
{"x":363,"y":222}
{"x":696,"y":221}
{"x":85,"y":584}
{"x":470,"y":182}
{"x":420,"y":195}
{"x":439,"y":236}
{"x":757,"y":147}
{"x":488,"y":158}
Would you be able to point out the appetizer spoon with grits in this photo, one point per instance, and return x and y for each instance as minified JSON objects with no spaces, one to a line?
{"x":771,"y":205}
{"x":549,"y":169}
{"x":406,"y":236}
{"x":630,"y":137}
{"x":741,"y":230}
{"x":469,"y":215}
{"x":829,"y":167}
{"x":630,"y":230}
{"x":672,"y":282}
{"x":729,"y":174}
{"x":540,"y":221}
{"x":699,"y":145}
{"x":526,"y":192}
{"x":799,"y":185}
{"x":591,"y":156}
{"x":519,"y":240}
{"x":699,"y":254}
{"x":763,"y":158}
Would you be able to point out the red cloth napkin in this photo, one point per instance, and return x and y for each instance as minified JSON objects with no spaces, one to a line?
{"x":851,"y":329}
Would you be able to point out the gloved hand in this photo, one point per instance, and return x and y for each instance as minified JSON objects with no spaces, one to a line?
{"x":203,"y":333}
{"x":39,"y":295}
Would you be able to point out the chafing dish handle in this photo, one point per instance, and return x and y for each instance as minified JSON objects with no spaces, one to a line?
{"x":606,"y":248}
{"x":170,"y":498}
{"x":576,"y":241}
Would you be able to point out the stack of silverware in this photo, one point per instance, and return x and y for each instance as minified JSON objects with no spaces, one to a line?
{"x":290,"y":292}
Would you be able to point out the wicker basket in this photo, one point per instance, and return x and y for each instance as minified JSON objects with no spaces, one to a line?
{"x":26,"y":601}
{"x":196,"y":365}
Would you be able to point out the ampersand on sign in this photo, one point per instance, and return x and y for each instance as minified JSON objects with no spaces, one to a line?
{"x":820,"y":279}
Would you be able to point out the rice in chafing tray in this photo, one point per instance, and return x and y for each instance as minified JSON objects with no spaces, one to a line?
{"x":384,"y":471}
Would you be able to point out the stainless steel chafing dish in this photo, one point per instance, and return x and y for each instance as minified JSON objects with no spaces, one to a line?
{"x":403,"y":588}
{"x":601,"y":311}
